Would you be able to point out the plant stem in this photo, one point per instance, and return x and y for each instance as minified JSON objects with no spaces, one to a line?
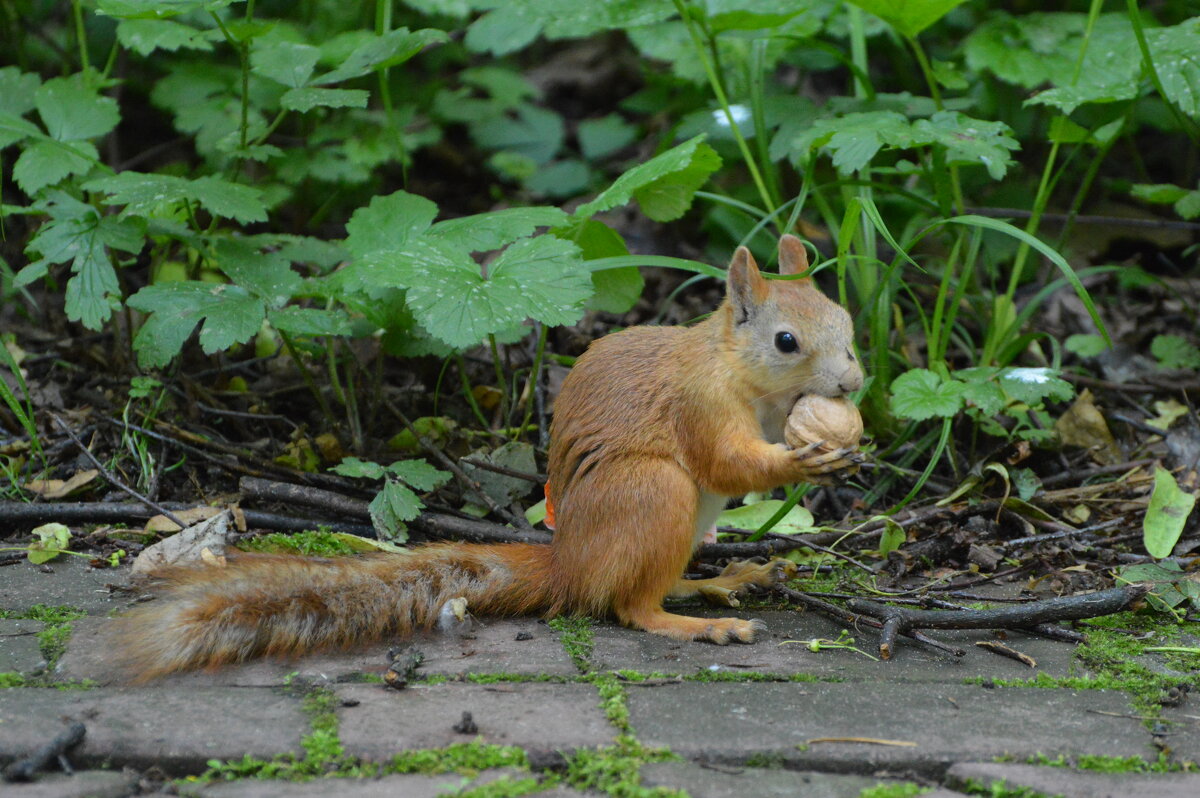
{"x":535,"y":375}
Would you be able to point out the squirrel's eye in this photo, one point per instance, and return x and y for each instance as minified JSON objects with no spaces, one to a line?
{"x":786,"y":342}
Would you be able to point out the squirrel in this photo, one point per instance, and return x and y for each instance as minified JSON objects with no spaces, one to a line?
{"x":653,"y":430}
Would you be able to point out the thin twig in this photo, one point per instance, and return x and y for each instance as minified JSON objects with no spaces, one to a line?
{"x":26,"y":769}
{"x":112,"y":478}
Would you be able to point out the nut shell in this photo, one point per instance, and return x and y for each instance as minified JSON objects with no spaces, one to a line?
{"x":818,"y":418}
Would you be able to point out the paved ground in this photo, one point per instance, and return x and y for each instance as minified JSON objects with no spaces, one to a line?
{"x":771,"y":719}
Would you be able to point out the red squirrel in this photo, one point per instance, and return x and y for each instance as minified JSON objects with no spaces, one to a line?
{"x":654,"y":429}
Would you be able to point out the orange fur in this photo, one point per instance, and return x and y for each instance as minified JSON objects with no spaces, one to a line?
{"x":653,"y":429}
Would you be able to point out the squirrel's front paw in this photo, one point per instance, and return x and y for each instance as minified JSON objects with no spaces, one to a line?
{"x":822,"y":466}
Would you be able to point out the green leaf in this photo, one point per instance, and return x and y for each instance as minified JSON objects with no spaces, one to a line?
{"x":798,"y":520}
{"x":144,"y":36}
{"x":542,"y":278}
{"x":52,"y":540}
{"x":535,"y":133}
{"x":231,"y":315}
{"x":911,"y":16}
{"x":1176,"y":60}
{"x":14,"y":129}
{"x":893,"y":537}
{"x":394,"y":505}
{"x":418,"y":474}
{"x":378,"y":52}
{"x":307,"y":98}
{"x":76,"y":233}
{"x":44,"y":163}
{"x":512,"y":24}
{"x":1166,"y":515}
{"x":16,"y":90}
{"x":1175,"y":352}
{"x":687,"y":158}
{"x":72,"y":112}
{"x":1026,"y":482}
{"x":388,"y":223}
{"x":616,"y":290}
{"x":855,"y":138}
{"x":146,"y":194}
{"x":560,"y":179}
{"x":1085,"y":345}
{"x":669,"y":197}
{"x":312,"y":322}
{"x":604,"y":136}
{"x":266,"y":275}
{"x":920,"y":394}
{"x":970,"y":141}
{"x":487,"y":231}
{"x":1034,"y":385}
{"x":356,"y":468}
{"x":289,"y":63}
{"x":158,"y":9}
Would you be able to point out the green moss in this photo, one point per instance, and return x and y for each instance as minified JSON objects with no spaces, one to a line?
{"x":575,"y":633}
{"x":612,"y":700}
{"x":322,"y":543}
{"x":904,"y":789}
{"x":11,"y":679}
{"x":52,"y":640}
{"x":467,"y":758}
{"x":768,"y":760}
{"x":999,"y":789}
{"x":504,"y":787}
{"x":616,"y":770}
{"x":1112,"y":764}
{"x":506,"y":678}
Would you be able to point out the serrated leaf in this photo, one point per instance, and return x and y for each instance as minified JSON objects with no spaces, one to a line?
{"x":158,"y":9}
{"x":16,"y":90}
{"x":76,"y":233}
{"x":1085,"y":345}
{"x":542,"y":278}
{"x":289,"y":63}
{"x":144,"y":194}
{"x":1178,"y":64}
{"x":309,"y":97}
{"x":418,"y":474}
{"x":513,"y":24}
{"x":144,"y":36}
{"x":388,"y":223}
{"x":394,"y":505}
{"x":855,"y":138}
{"x":230,"y":315}
{"x":1035,"y":385}
{"x":72,"y":112}
{"x":14,"y":128}
{"x":920,"y":394}
{"x":985,"y":395}
{"x":312,"y":322}
{"x":616,"y":290}
{"x":44,"y":163}
{"x":487,"y":231}
{"x":266,"y":275}
{"x":359,"y":469}
{"x":909,"y":17}
{"x":676,"y":159}
{"x":1175,"y":352}
{"x":969,"y":141}
{"x":394,"y":47}
{"x":1166,"y":514}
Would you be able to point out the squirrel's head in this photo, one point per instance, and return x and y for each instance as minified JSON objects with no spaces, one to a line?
{"x":789,"y":336}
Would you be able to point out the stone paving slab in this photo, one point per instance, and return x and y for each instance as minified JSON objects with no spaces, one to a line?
{"x":19,"y":647}
{"x":1075,"y":783}
{"x":1182,"y":730}
{"x":82,"y":784}
{"x":536,"y":717}
{"x":176,"y":730}
{"x":733,"y":782}
{"x":402,"y":786}
{"x":616,"y":647}
{"x":949,"y":723}
{"x":67,"y":581}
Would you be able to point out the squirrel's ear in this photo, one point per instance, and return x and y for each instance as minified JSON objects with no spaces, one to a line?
{"x":746,"y":287}
{"x":793,"y":257}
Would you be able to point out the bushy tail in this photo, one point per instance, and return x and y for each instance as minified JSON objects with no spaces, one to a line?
{"x":278,"y":605}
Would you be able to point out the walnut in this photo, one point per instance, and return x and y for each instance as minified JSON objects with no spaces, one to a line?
{"x":819,"y":418}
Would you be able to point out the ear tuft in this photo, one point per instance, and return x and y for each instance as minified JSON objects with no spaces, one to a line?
{"x":793,"y":257}
{"x":746,"y":288}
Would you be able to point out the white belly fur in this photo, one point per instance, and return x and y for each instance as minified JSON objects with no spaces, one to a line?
{"x":707,"y":510}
